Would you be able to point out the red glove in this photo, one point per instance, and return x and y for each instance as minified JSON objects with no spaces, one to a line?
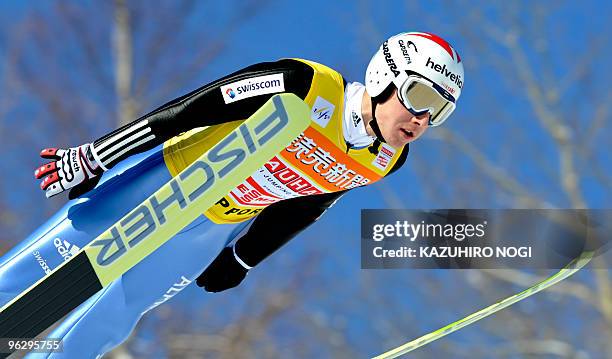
{"x":73,"y":169}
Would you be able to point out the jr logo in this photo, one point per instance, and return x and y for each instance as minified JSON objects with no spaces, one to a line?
{"x":189,"y":186}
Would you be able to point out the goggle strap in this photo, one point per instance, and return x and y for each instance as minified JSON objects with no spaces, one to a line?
{"x":400,"y":79}
{"x":374,"y":123}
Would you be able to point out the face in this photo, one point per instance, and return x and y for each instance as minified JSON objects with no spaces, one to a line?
{"x":397,"y":125}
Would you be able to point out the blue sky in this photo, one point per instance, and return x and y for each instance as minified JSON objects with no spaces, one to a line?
{"x":343,"y":35}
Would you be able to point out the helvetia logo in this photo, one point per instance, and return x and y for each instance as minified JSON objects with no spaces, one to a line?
{"x":65,"y":248}
{"x":447,"y":73}
{"x":251,"y":87}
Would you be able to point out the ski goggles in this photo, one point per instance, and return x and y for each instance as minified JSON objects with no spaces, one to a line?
{"x":420,"y":96}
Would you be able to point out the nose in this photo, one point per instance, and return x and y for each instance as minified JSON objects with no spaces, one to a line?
{"x":421,"y":119}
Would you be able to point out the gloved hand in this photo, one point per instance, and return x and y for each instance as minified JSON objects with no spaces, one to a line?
{"x":223,"y":273}
{"x":73,"y":169}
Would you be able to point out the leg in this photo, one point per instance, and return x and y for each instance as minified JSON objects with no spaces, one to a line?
{"x":80,"y":221}
{"x":106,"y":321}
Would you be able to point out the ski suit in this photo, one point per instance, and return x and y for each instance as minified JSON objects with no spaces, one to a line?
{"x":282,"y":198}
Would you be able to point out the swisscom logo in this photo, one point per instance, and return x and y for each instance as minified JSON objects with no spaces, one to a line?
{"x":251,"y":87}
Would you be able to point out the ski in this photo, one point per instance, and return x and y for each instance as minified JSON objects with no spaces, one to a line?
{"x":573,"y":267}
{"x":146,"y":227}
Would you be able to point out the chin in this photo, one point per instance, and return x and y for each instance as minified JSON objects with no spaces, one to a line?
{"x":398,"y":143}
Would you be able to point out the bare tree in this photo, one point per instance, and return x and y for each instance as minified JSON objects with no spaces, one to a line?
{"x":525,"y":79}
{"x":74,"y":71}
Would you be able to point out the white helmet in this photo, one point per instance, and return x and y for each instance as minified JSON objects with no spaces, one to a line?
{"x":418,"y":58}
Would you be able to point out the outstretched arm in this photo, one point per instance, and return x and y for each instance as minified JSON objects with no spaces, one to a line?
{"x":270,"y":230}
{"x":231,"y":98}
{"x":209,"y":105}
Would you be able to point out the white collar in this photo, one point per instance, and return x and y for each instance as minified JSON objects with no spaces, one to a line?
{"x":353,"y":127}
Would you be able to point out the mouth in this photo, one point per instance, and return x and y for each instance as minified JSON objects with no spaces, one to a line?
{"x":407,"y":134}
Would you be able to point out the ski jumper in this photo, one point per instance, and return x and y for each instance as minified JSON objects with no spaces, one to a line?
{"x":266,"y":210}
